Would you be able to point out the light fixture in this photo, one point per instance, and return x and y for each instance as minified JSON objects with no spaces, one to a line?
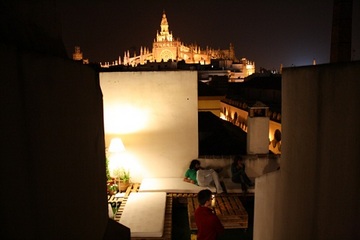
{"x":116,"y":146}
{"x":213,"y":200}
{"x":116,"y":158}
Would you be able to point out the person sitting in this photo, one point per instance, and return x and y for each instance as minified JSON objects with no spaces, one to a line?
{"x":202,"y":177}
{"x":208,"y":224}
{"x":238,"y":174}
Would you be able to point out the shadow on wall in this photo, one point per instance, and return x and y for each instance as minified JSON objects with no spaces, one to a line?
{"x":260,"y":165}
{"x":255,"y":165}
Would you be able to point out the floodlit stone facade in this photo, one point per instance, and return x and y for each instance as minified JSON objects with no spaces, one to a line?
{"x":168,"y":48}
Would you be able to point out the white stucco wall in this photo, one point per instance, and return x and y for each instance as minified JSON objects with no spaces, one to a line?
{"x":228,"y":113}
{"x":259,"y":165}
{"x":265,"y":205}
{"x":321,"y":136}
{"x":316,"y":195}
{"x":163,"y":106}
{"x":258,"y":135}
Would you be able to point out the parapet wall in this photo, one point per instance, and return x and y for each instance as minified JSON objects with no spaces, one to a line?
{"x":255,"y":165}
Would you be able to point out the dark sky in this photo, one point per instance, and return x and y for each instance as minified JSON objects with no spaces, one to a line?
{"x":269,"y":32}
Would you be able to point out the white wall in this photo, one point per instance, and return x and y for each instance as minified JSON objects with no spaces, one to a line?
{"x":258,"y":135}
{"x":159,"y":112}
{"x":317,"y":195}
{"x":259,"y":165}
{"x":265,"y":205}
{"x":242,"y":115}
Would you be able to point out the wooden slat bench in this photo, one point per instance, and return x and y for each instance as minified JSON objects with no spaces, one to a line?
{"x":167,"y":220}
{"x":116,"y":201}
{"x":229,"y":209}
{"x":181,"y":195}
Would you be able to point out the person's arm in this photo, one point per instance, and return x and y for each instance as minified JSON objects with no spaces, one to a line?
{"x":189,"y":180}
{"x":187,"y":177}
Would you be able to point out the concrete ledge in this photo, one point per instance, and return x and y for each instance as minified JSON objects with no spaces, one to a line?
{"x":231,"y":187}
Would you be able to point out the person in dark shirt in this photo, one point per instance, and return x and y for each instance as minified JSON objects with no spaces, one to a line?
{"x":238,"y":174}
{"x":208,"y":224}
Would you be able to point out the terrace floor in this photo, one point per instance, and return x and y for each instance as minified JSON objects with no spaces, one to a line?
{"x":181,"y":229}
{"x":180,"y":221}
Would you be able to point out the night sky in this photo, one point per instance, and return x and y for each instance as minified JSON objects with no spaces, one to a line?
{"x":273,"y":32}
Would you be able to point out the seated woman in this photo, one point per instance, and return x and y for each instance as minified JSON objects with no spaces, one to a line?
{"x":202,"y":177}
{"x":238,"y":174}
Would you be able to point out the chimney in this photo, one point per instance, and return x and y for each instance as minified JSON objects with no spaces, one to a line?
{"x":341,"y":31}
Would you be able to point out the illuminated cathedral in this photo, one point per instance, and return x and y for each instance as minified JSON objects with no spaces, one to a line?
{"x":167,"y":48}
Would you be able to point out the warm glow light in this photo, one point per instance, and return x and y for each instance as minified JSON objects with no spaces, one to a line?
{"x":127,"y":161}
{"x":115,"y":162}
{"x":116,"y":150}
{"x":213,"y":200}
{"x":122,"y":119}
{"x":116,"y":145}
{"x":222,"y":116}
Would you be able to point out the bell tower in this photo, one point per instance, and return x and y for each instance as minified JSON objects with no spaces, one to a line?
{"x":164,"y":46}
{"x":164,"y":32}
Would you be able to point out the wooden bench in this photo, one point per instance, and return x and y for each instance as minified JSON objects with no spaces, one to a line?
{"x":134,"y":187}
{"x":116,"y":201}
{"x":229,"y":209}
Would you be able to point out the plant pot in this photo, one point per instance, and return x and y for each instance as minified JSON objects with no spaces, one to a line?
{"x":111,"y":192}
{"x":112,"y":188}
{"x":123,"y":185}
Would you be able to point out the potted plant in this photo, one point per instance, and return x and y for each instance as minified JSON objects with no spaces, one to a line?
{"x":108,"y":177}
{"x":112,"y":188}
{"x":123,"y":178}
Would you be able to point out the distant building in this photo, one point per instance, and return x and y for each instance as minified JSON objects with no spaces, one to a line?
{"x":78,"y":55}
{"x":167,"y":48}
{"x":258,"y":91}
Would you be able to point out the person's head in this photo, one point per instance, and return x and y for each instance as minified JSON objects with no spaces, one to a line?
{"x":204,"y":196}
{"x":195,"y":164}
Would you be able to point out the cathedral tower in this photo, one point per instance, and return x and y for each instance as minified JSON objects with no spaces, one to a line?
{"x":165,"y":47}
